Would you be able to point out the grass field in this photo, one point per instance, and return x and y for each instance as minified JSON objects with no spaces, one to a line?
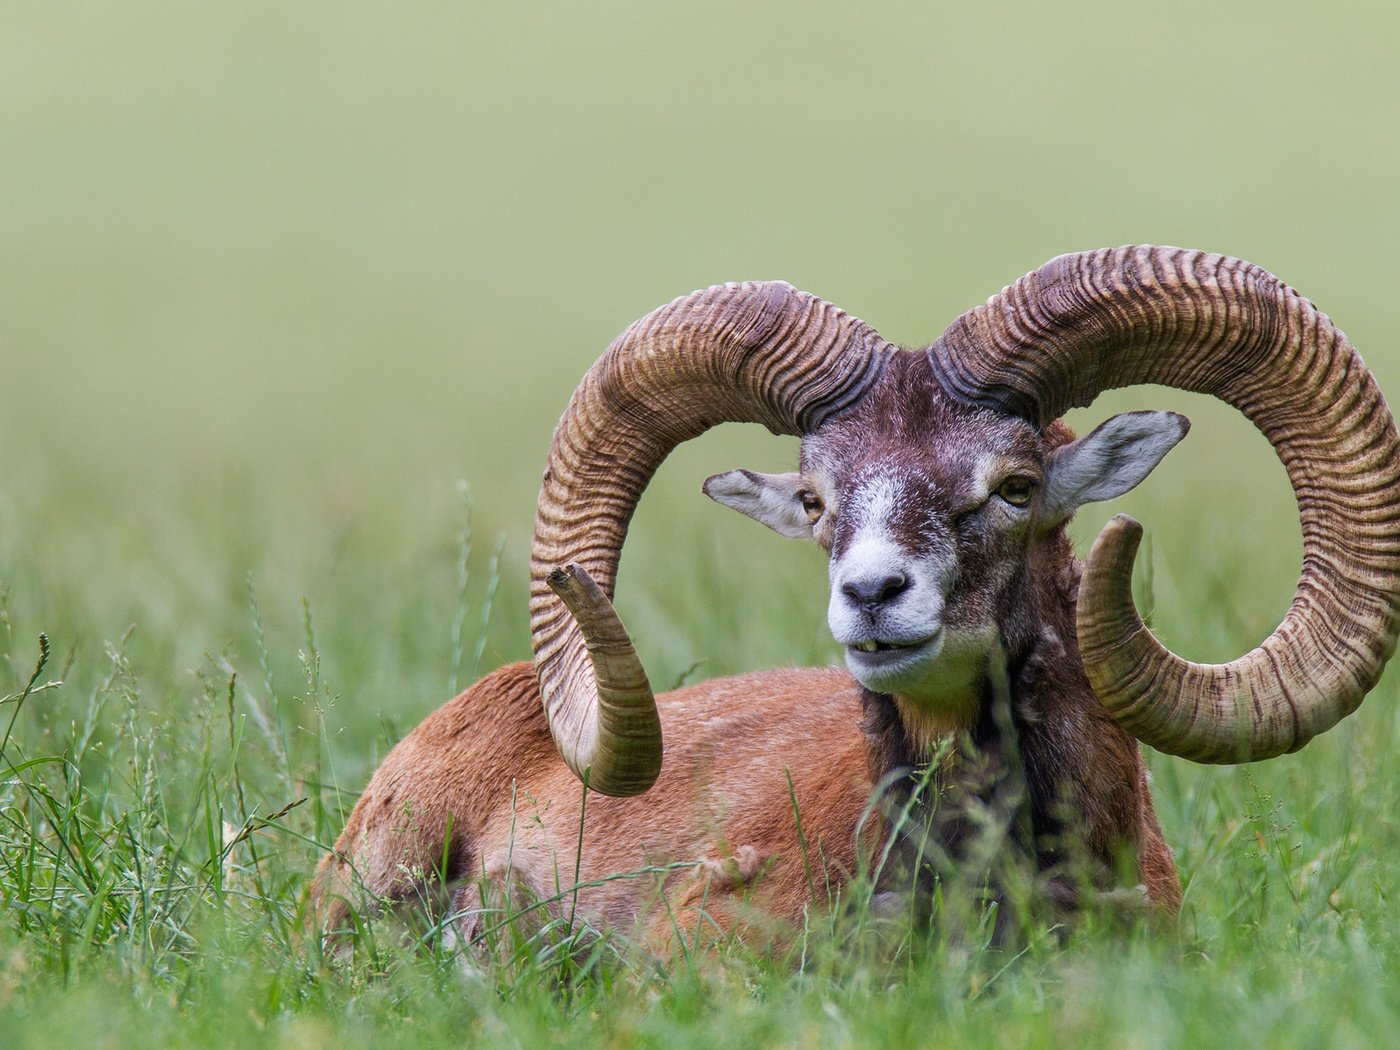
{"x":276,"y":280}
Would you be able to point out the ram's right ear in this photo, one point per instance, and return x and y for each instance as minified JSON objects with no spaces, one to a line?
{"x":776,"y":500}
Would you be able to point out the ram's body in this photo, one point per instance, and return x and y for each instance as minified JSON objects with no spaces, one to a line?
{"x":478,"y":793}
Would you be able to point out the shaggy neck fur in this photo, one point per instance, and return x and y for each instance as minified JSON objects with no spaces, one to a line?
{"x":1014,"y":783}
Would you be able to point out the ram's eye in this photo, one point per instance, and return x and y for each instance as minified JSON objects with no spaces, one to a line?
{"x":1017,"y":490}
{"x":812,"y":504}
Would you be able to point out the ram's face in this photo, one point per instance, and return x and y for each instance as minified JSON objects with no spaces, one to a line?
{"x":928,"y":511}
{"x":925,"y":537}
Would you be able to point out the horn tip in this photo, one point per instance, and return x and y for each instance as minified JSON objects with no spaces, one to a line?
{"x":1125,"y":526}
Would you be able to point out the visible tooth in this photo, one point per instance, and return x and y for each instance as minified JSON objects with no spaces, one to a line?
{"x":867,"y":647}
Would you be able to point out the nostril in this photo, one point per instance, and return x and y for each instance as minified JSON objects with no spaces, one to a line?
{"x":894,"y":585}
{"x":876,"y":590}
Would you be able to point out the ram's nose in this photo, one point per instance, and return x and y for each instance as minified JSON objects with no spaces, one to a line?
{"x":872,"y":592}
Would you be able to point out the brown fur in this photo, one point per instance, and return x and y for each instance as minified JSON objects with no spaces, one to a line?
{"x":486,"y":762}
{"x":721,"y":812}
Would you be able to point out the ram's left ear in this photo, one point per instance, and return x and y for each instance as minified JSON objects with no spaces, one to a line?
{"x":773,"y":499}
{"x":1109,"y":461}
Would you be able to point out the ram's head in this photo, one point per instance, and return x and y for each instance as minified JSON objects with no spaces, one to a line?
{"x":933,"y":515}
{"x":931,"y":475}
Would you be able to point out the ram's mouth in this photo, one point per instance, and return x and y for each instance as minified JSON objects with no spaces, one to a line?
{"x":877,"y":646}
{"x":890,"y":665}
{"x":883,"y":654}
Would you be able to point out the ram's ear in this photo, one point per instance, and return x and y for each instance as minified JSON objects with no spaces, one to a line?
{"x":1109,"y":461}
{"x":773,"y":499}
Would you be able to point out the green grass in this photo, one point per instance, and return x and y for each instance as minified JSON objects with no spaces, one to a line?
{"x":154,"y":873}
{"x":275,"y":278}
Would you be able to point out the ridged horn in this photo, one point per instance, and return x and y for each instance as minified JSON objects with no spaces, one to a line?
{"x":757,"y":353}
{"x":1092,"y":321}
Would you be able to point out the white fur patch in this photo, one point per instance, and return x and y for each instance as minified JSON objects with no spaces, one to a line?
{"x":872,"y":555}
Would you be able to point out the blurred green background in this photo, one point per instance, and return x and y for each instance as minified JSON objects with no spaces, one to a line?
{"x":277,"y":276}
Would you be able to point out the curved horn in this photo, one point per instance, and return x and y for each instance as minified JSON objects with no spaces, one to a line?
{"x":1089,"y":322}
{"x":758,"y":353}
